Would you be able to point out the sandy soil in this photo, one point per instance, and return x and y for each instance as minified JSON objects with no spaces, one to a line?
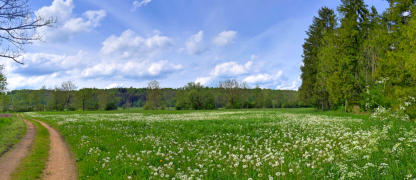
{"x":60,"y":164}
{"x":10,"y":160}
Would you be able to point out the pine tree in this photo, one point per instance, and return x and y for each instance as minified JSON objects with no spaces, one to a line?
{"x":351,"y":35}
{"x":310,"y":89}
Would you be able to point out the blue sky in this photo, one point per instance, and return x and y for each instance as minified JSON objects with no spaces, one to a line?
{"x":127,"y":43}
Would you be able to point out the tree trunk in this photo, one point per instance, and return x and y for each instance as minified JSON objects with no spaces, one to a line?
{"x":346,"y":105}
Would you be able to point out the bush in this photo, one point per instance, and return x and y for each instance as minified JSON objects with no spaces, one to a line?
{"x":374,"y":97}
{"x":111,"y":106}
{"x":147,"y":106}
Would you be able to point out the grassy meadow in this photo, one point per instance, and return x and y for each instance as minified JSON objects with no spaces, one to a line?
{"x":11,"y":130}
{"x":236,"y":144}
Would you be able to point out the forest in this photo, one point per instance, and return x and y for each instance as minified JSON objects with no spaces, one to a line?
{"x":229,"y":94}
{"x":358,"y":59}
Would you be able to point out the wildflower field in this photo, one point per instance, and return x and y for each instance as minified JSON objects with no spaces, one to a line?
{"x":237,"y":144}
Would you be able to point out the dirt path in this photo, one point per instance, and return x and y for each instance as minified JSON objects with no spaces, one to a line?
{"x":10,"y":160}
{"x":60,"y":164}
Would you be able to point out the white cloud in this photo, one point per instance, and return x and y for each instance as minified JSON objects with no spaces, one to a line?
{"x":130,"y":69}
{"x":67,"y":25}
{"x":227,"y":69}
{"x":138,"y":4}
{"x":231,"y":69}
{"x":91,"y":20}
{"x":225,"y":38}
{"x":49,"y":69}
{"x":15,"y":82}
{"x":45,"y":69}
{"x":194,"y":45}
{"x":129,"y":45}
{"x":114,"y":85}
{"x":263,"y":78}
{"x":60,"y":9}
{"x":294,"y":85}
{"x":37,"y":64}
{"x":204,"y":80}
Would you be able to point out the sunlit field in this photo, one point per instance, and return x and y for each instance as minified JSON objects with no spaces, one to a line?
{"x":237,"y":144}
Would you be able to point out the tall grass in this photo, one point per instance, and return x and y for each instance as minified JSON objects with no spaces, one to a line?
{"x":12,"y":129}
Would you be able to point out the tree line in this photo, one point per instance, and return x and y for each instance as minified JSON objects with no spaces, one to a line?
{"x":229,"y":94}
{"x":360,"y":59}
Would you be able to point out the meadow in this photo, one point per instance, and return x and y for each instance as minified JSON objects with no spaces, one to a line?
{"x":236,"y":144}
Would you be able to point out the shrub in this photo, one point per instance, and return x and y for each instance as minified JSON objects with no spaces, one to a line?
{"x":110,"y":106}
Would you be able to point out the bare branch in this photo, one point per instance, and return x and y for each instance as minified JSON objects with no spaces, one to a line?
{"x":11,"y":57}
{"x":18,"y":25}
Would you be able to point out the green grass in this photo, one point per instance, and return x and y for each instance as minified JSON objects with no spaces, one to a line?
{"x":32,"y":166}
{"x":11,"y":131}
{"x":237,"y":144}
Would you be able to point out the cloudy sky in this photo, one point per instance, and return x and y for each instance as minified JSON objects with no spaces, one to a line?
{"x":124,"y":43}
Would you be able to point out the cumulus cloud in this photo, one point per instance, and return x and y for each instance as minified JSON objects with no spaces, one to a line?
{"x":293,"y":85}
{"x":59,"y":8}
{"x":67,"y":25}
{"x":114,"y":85}
{"x":231,"y":69}
{"x":45,"y":69}
{"x":91,"y":20}
{"x":195,"y":45}
{"x":130,"y":45}
{"x":38,"y":64}
{"x":130,"y":69}
{"x":246,"y":72}
{"x":204,"y":80}
{"x":21,"y":82}
{"x":227,"y":69}
{"x":224,"y":38}
{"x":137,"y":4}
{"x":263,"y":78}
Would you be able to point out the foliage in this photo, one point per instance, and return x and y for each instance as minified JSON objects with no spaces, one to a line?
{"x":87,"y":99}
{"x":3,"y":80}
{"x":191,"y":96}
{"x":110,"y":106}
{"x":344,"y":64}
{"x":195,"y":96}
{"x":312,"y":89}
{"x":154,"y":96}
